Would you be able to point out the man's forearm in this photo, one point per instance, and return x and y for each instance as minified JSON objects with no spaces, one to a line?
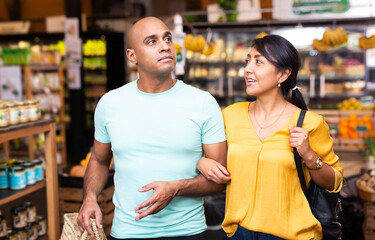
{"x":198,"y":186}
{"x":96,"y":176}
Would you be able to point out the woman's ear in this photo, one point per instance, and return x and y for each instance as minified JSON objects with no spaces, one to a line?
{"x":130,"y":53}
{"x":284,"y":75}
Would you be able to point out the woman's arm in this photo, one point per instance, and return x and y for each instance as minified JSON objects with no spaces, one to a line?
{"x":213,"y":170}
{"x":323,"y":176}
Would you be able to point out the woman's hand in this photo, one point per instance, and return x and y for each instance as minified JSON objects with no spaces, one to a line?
{"x":299,"y":138}
{"x":213,"y":170}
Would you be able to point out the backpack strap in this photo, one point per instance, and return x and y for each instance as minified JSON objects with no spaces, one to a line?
{"x":297,"y":157}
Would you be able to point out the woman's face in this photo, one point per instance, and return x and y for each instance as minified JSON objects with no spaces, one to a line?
{"x":261,"y":76}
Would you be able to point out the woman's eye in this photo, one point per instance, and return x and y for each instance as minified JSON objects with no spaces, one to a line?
{"x":247,"y":62}
{"x":260,"y":62}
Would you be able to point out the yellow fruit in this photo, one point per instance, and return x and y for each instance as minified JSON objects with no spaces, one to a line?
{"x":210,"y":49}
{"x":261,"y":35}
{"x":201,"y":43}
{"x":188,"y":40}
{"x":177,"y":47}
{"x":319,"y":45}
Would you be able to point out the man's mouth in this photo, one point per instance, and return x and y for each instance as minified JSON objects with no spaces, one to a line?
{"x":166,"y":58}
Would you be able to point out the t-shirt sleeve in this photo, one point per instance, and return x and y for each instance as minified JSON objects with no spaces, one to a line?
{"x":213,"y":124}
{"x":322,"y":143}
{"x":101,"y":134}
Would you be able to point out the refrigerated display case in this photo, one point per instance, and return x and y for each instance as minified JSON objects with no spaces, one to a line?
{"x":324,"y":77}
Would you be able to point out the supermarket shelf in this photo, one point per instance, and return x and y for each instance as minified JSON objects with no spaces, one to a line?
{"x":8,"y":195}
{"x":267,"y":24}
{"x":45,"y":67}
{"x":17,"y":131}
{"x":206,"y":62}
{"x":344,"y":78}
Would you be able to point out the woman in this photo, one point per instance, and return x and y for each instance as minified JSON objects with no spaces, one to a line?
{"x":264,"y":198}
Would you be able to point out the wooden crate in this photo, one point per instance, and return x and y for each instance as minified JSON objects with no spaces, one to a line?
{"x":368,"y":231}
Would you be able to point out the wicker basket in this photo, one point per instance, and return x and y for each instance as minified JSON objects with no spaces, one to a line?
{"x":364,"y":193}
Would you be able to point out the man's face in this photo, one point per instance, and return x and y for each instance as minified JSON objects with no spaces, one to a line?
{"x":153,"y":47}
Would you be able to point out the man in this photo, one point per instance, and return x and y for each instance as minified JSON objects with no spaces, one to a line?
{"x":156,"y":128}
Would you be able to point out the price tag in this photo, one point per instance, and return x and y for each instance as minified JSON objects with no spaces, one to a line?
{"x":333,"y":128}
{"x":361,"y":129}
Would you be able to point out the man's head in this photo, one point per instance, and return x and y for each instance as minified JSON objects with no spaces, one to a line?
{"x":150,"y":47}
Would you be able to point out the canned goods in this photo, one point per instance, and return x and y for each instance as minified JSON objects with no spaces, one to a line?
{"x":17,"y":178}
{"x":4,"y":177}
{"x":29,"y":173}
{"x":19,"y":216}
{"x":13,"y":113}
{"x":23,"y":111}
{"x":12,"y":235}
{"x":32,"y":231}
{"x":34,"y":109}
{"x":22,"y":233}
{"x":42,"y":225}
{"x":4,"y":115}
{"x":31,"y":212}
{"x":39,"y":174}
{"x":19,"y":163}
{"x":3,"y":226}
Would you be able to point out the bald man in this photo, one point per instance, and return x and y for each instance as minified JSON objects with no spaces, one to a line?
{"x":156,"y":128}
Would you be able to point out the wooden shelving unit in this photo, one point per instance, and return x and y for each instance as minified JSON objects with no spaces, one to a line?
{"x":31,"y":94}
{"x":48,"y":128}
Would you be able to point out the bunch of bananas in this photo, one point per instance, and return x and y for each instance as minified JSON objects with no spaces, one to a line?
{"x":331,"y":38}
{"x":209,"y":49}
{"x":366,"y":43}
{"x":195,"y":43}
{"x":335,"y":37}
{"x":320,"y":45}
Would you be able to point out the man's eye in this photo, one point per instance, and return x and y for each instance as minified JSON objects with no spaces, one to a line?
{"x":151,"y":42}
{"x":168,"y":39}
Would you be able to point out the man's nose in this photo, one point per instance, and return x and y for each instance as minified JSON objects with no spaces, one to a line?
{"x":165,"y":47}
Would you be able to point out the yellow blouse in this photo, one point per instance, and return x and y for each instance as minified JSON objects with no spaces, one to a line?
{"x":264,"y":194}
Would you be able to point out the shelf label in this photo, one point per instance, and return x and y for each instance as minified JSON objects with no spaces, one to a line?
{"x":361,"y":129}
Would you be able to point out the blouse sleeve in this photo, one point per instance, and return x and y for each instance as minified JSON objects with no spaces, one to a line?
{"x":322,"y":143}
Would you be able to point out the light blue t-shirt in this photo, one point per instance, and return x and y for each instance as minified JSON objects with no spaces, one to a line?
{"x":157,"y":137}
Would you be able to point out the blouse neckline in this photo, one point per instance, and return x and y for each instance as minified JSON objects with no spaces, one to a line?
{"x":274,"y":133}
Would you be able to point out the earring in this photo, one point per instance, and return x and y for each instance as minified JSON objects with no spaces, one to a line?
{"x":279,"y":85}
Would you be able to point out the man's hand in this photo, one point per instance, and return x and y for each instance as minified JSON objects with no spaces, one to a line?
{"x":89,"y":209}
{"x":163,"y":194}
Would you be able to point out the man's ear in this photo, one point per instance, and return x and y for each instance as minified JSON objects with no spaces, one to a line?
{"x":284,"y":75}
{"x":130,"y":53}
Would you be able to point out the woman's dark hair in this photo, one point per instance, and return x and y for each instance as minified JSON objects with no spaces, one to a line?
{"x":283,"y":55}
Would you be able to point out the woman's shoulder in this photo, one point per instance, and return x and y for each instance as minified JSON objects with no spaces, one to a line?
{"x":239,"y":106}
{"x":313,"y":119}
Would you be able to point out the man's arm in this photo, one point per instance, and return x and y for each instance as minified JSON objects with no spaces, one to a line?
{"x":95,"y":178}
{"x":164,"y":192}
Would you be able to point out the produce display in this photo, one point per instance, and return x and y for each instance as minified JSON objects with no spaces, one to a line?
{"x":355,"y":127}
{"x":354,"y":104}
